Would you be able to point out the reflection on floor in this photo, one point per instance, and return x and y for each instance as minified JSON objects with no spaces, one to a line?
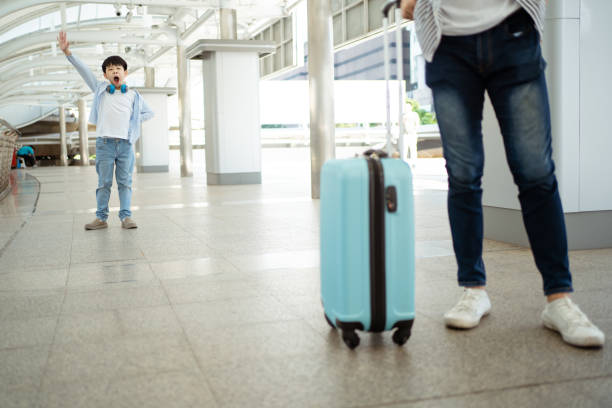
{"x":214,"y":301}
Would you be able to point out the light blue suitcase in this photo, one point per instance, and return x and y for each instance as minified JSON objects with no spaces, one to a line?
{"x":367,"y":246}
{"x":367,"y":234}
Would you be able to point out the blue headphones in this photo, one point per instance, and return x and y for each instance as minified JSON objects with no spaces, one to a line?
{"x":111,"y":88}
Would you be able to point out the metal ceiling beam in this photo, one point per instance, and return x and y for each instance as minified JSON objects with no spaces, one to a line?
{"x":10,"y":6}
{"x":130,"y":36}
{"x":20,"y":81}
{"x":21,"y":100}
{"x":26,"y":18}
{"x":199,"y":22}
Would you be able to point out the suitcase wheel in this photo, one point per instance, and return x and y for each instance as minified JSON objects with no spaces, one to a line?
{"x":351,"y":339}
{"x":401,"y":336}
{"x":329,"y":321}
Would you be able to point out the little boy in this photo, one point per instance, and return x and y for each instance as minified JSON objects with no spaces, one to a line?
{"x":117,"y":113}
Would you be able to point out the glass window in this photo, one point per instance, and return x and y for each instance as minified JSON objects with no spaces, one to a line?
{"x":278,"y":60}
{"x":288,"y":31}
{"x":354,"y":22}
{"x":269,"y":66}
{"x":277,"y":32}
{"x":337,"y":22}
{"x":375,"y":14}
{"x":288,"y":53}
{"x":281,"y":32}
{"x":336,"y":5}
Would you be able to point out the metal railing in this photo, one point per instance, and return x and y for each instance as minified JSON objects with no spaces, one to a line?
{"x":8,"y":137}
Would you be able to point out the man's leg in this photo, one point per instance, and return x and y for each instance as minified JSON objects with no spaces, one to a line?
{"x":123,"y":173}
{"x":524,"y":119}
{"x":458,"y":92}
{"x":458,"y":100}
{"x":521,"y":105}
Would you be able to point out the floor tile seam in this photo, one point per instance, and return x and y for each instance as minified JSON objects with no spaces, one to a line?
{"x":261,"y":323}
{"x":119,"y":260}
{"x":199,"y":365}
{"x":179,"y":282}
{"x":593,"y":290}
{"x":485,"y":391}
{"x":307,"y":321}
{"x":249,"y":324}
{"x":38,"y":317}
{"x":116,"y":309}
{"x":189,"y":232}
{"x":59,"y":347}
{"x":112,"y":309}
{"x":101,"y":288}
{"x":109,"y":380}
{"x":57,"y":322}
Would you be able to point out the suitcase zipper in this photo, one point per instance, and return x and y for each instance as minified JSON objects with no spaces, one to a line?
{"x":377,"y":245}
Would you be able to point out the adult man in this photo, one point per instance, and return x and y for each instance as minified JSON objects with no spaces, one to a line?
{"x":494,"y":46}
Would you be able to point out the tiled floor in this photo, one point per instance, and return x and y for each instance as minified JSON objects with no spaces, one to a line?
{"x":214,"y":302}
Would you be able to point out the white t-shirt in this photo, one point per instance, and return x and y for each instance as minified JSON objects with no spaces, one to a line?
{"x":467,"y":17}
{"x":115,"y":113}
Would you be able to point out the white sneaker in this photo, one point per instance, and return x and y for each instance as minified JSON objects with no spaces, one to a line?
{"x":565,"y":316}
{"x":473,"y":305}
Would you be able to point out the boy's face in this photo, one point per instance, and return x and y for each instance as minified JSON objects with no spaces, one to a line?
{"x":115,"y":74}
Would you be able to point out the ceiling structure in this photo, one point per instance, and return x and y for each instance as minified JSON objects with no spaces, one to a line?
{"x":36,"y":77}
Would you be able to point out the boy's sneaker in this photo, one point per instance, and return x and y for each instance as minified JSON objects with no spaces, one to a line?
{"x":96,"y":224}
{"x":473,"y":305}
{"x":565,"y":316}
{"x":127,"y":223}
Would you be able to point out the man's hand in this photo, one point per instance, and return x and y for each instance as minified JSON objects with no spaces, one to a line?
{"x":62,"y":40}
{"x":407,"y":7}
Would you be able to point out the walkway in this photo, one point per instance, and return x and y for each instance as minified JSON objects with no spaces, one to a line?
{"x":214,"y":302}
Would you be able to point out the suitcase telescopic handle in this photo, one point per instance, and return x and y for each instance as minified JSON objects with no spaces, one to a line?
{"x":388,"y":5}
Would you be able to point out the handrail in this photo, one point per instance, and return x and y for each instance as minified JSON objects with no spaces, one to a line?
{"x":8,"y":125}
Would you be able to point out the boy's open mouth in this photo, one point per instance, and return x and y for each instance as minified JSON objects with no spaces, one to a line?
{"x":116,"y":79}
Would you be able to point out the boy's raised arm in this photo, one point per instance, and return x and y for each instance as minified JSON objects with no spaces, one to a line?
{"x":83,"y":70}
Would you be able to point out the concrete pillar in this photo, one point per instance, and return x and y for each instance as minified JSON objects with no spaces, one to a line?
{"x":62,"y":129}
{"x":575,"y":45}
{"x":184,"y":100}
{"x":321,"y":85}
{"x":227,"y":24}
{"x":149,"y":77}
{"x":83,"y":140}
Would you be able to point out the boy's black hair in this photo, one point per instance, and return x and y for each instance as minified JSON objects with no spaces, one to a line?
{"x":114,"y":60}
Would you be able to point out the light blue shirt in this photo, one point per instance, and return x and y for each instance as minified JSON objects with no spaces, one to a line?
{"x":140,"y":109}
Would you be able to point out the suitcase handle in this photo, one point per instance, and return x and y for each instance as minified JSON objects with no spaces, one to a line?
{"x":387,"y":7}
{"x":375,"y":152}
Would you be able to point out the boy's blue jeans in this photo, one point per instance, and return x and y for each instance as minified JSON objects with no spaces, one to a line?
{"x":118,"y":154}
{"x":506,"y":62}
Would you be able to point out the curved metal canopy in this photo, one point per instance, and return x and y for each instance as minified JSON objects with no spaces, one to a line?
{"x":34,"y":72}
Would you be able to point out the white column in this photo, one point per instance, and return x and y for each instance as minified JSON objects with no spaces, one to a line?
{"x":321,"y":83}
{"x":184,"y":101}
{"x":149,"y":77}
{"x":227,"y":24}
{"x":83,"y":140}
{"x":62,"y":129}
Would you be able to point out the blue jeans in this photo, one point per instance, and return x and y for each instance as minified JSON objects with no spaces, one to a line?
{"x":117,"y":154}
{"x":507,"y":63}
